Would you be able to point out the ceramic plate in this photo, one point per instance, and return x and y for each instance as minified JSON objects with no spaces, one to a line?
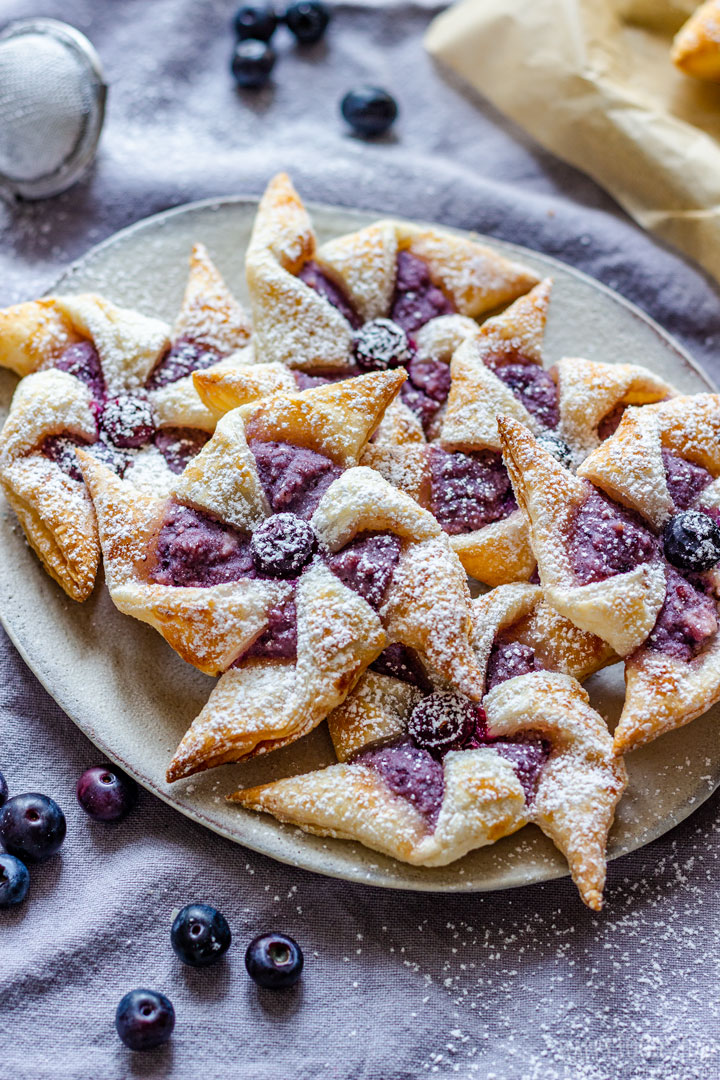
{"x":134,"y":698}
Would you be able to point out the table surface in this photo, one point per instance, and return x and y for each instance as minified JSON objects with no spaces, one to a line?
{"x":523,"y":985}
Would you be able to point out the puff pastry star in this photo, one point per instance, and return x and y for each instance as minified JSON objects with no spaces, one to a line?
{"x":535,"y":752}
{"x":116,"y":382}
{"x":601,"y":553}
{"x":282,"y":564}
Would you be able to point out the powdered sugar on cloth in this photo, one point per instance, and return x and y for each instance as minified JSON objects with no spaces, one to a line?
{"x":524,"y":985}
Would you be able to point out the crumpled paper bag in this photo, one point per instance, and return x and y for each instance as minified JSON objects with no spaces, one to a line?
{"x":592,"y":81}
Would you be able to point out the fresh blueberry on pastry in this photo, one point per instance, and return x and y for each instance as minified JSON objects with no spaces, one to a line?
{"x":381,"y":344}
{"x":691,"y":541}
{"x":117,"y":384}
{"x":629,"y":550}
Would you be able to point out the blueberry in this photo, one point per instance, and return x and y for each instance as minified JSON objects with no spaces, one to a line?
{"x":274,"y":961}
{"x":200,"y":935}
{"x":307,"y":20}
{"x":32,"y":827}
{"x":3,"y":790}
{"x":128,"y":421}
{"x":557,"y":447}
{"x":381,"y":344}
{"x":257,"y":21}
{"x":14,"y":881}
{"x":144,"y":1019}
{"x":691,"y":541}
{"x":369,"y":110}
{"x":252,"y":64}
{"x":442,"y":722}
{"x":282,"y":545}
{"x":106,"y":793}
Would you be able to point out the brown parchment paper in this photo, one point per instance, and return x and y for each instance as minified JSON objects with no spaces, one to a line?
{"x":592,"y":80}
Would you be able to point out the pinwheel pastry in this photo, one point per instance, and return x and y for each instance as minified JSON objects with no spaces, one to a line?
{"x":280,"y":563}
{"x":439,"y":441}
{"x":116,"y":382}
{"x":426,"y":775}
{"x":629,"y":548}
{"x":696,"y":46}
{"x":356,"y":302}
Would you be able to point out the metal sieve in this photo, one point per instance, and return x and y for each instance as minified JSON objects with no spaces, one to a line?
{"x":52,"y":106}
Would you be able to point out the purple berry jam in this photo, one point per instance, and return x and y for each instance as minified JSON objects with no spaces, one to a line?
{"x":400,"y":662}
{"x":112,"y":456}
{"x":611,"y":422}
{"x":442,"y":722}
{"x":193,"y":549}
{"x":535,"y":388}
{"x":686,"y":620}
{"x":279,"y":640}
{"x":606,"y":539}
{"x":61,"y":450}
{"x":294,"y":478}
{"x":313,"y":276}
{"x":367,"y":564}
{"x":182,"y":359}
{"x":179,"y":445}
{"x":417,"y":299}
{"x":411,"y":773}
{"x":527,"y":759}
{"x":83,"y":362}
{"x":128,"y":421}
{"x":685,"y":480}
{"x":426,"y":389}
{"x":305,"y":381}
{"x":508,"y":659}
{"x":282,"y":545}
{"x":469,"y":490}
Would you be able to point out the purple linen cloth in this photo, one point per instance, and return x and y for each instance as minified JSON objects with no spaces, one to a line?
{"x":524,"y":985}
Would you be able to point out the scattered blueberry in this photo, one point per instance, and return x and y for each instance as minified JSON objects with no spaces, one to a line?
{"x":144,"y":1019}
{"x":282,"y":545}
{"x":557,"y":447}
{"x":381,"y":344}
{"x":257,"y":21}
{"x":442,"y":722}
{"x":307,"y":20}
{"x":32,"y":827}
{"x":369,"y":110}
{"x":200,"y":935}
{"x":691,"y":541}
{"x":106,"y":793}
{"x":128,"y":421}
{"x":3,"y":790}
{"x":274,"y":961}
{"x":252,"y":64}
{"x":14,"y":881}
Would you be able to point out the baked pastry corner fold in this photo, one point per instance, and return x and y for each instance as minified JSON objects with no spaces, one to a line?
{"x":696,"y":46}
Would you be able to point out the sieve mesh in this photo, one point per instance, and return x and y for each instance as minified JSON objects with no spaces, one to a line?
{"x":45,"y":103}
